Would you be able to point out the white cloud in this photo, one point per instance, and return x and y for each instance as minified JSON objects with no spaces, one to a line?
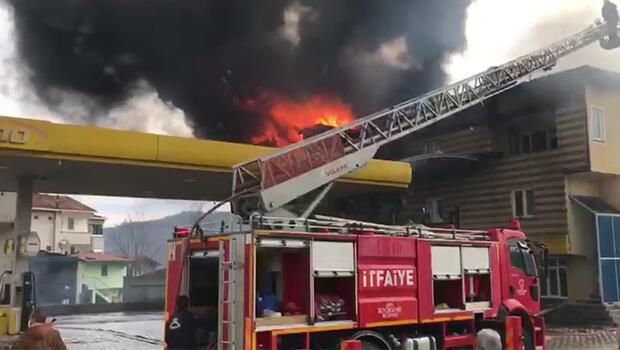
{"x":500,"y":30}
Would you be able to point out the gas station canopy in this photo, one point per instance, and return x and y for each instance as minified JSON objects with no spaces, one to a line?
{"x":76,"y":159}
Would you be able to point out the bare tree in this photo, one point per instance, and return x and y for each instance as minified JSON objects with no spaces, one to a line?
{"x":132,"y":242}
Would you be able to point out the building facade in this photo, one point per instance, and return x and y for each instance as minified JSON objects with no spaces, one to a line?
{"x":546,"y":152}
{"x":100,"y":278}
{"x":64,"y":225}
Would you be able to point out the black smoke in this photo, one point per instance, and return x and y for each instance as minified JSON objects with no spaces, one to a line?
{"x":205,"y":56}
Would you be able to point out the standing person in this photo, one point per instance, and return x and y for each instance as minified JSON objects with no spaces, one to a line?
{"x":40,"y":334}
{"x":181,"y":329}
{"x":610,"y":15}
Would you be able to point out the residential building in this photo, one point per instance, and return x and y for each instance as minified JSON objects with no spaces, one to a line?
{"x":546,"y":152}
{"x":65,"y":225}
{"x":100,"y":277}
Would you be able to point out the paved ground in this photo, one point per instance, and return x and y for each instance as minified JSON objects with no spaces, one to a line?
{"x":123,"y":331}
{"x":144,"y":331}
{"x":578,"y":339}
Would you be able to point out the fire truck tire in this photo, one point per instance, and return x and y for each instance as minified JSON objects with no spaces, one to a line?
{"x":372,"y":340}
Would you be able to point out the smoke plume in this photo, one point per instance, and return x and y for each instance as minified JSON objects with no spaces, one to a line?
{"x":207,"y":58}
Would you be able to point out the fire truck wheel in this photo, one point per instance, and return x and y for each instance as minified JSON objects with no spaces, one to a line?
{"x":370,"y":346}
{"x":372,"y":340}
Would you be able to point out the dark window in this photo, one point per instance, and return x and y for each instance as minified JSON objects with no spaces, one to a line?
{"x":520,"y":256}
{"x":563,"y":283}
{"x":48,"y":248}
{"x":556,"y":284}
{"x":526,"y":144}
{"x":96,"y":230}
{"x":518,"y":203}
{"x":516,"y":259}
{"x":513,"y":144}
{"x":523,"y":203}
{"x":49,"y":218}
{"x":532,"y":142}
{"x":553,"y":139}
{"x":553,"y":287}
{"x":36,"y":217}
{"x":529,"y":202}
{"x":539,"y":141}
{"x":104,"y":270}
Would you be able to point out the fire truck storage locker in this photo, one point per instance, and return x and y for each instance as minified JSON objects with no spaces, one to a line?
{"x":282,"y":275}
{"x":333,"y":281}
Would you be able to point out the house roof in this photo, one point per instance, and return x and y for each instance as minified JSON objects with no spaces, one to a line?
{"x":91,"y":256}
{"x":58,"y":202}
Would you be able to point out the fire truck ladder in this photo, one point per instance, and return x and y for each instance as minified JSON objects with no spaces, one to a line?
{"x":227,"y":294}
{"x":271,"y":181}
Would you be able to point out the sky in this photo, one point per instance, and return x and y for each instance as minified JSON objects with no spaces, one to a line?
{"x":496,"y":30}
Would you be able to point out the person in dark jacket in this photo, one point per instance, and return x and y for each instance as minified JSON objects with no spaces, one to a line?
{"x":610,"y":15}
{"x":181,"y":328}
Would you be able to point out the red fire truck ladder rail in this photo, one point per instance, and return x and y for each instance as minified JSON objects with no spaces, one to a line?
{"x":330,"y":224}
{"x":282,"y":176}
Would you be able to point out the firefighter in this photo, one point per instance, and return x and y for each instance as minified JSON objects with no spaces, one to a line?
{"x":181,"y":328}
{"x":610,"y":15}
{"x":40,"y":334}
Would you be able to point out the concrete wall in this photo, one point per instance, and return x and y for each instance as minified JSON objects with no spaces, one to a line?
{"x":43,"y":225}
{"x":8,"y":201}
{"x":96,"y":243}
{"x":604,"y":155}
{"x":610,"y":190}
{"x":79,"y":235}
{"x":146,"y":288}
{"x":582,"y":270}
{"x":583,"y":185}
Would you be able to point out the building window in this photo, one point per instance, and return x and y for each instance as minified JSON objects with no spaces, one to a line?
{"x":532,"y":142}
{"x":70,"y":224}
{"x":48,"y":248}
{"x":104,"y":270}
{"x":36,"y":217}
{"x":434,"y":209}
{"x":555,"y":285}
{"x":96,"y":230}
{"x":523,"y":203}
{"x":49,"y":218}
{"x":598,"y":124}
{"x":520,"y":256}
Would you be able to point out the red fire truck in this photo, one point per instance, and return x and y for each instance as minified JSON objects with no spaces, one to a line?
{"x":284,"y":280}
{"x":314,"y":283}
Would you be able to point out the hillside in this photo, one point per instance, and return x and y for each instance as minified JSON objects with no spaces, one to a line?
{"x":157,"y":232}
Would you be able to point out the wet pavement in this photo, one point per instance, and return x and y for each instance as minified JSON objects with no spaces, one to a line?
{"x":582,"y":338}
{"x":144,"y":331}
{"x":123,"y":331}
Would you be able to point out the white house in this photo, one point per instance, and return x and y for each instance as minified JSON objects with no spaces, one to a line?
{"x":63,"y":224}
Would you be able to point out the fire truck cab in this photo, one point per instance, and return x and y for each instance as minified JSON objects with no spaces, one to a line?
{"x":320,"y":284}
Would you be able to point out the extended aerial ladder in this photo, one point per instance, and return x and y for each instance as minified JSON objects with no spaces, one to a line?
{"x":267,"y":183}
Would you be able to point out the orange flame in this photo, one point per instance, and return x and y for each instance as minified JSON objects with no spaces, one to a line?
{"x":286,"y":118}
